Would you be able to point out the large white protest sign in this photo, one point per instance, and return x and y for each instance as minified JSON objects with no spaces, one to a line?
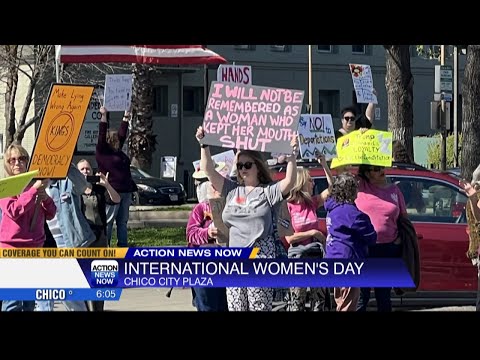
{"x":316,"y":136}
{"x":363,"y":83}
{"x":118,"y":92}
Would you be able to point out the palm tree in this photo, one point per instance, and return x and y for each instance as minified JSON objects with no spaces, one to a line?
{"x":142,"y":141}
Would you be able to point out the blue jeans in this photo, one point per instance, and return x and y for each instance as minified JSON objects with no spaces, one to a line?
{"x":119,"y":213}
{"x":210,"y":299}
{"x":382,"y":295}
{"x":18,"y":305}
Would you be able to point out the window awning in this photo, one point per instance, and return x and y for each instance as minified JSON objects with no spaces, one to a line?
{"x":142,"y":54}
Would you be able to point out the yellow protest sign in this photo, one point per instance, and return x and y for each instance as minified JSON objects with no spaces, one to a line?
{"x":14,"y":185}
{"x":373,"y":147}
{"x":59,"y":130}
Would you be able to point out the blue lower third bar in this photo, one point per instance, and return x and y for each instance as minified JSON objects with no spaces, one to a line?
{"x":61,"y":294}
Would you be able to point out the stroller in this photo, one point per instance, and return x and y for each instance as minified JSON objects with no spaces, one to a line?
{"x":282,"y":300}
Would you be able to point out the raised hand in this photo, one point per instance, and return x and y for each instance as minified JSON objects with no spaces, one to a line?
{"x":468,"y":188}
{"x":294,"y":144}
{"x":321,"y":159}
{"x":200,"y":134}
{"x":103,"y":178}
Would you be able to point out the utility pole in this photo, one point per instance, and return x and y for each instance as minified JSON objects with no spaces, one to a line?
{"x":310,"y":96}
{"x":443,"y":117}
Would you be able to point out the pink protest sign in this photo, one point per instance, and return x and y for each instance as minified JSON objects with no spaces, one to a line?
{"x":251,"y":117}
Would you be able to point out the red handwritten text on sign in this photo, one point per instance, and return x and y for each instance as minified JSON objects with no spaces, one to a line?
{"x":251,"y":117}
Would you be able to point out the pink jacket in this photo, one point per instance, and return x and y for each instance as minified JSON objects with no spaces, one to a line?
{"x":17,"y":215}
{"x":198,"y":223}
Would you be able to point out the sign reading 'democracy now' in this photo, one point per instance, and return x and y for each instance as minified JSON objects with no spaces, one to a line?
{"x":59,"y":130}
{"x":251,"y":117}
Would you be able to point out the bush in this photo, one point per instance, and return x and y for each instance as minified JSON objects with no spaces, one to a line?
{"x":434,"y":153}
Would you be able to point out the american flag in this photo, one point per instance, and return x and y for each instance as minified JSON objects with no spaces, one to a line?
{"x":142,"y":54}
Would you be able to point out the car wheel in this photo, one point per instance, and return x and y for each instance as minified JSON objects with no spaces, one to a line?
{"x":135,"y":199}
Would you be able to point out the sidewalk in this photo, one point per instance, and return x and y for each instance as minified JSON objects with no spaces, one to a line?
{"x":154,"y":299}
{"x":149,"y":299}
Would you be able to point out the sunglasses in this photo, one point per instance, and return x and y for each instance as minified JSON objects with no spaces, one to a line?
{"x":349,"y":118}
{"x":248,"y":165}
{"x":21,"y":159}
{"x":376,"y":168}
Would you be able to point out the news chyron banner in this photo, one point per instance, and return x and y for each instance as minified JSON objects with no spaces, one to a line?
{"x":102,"y":273}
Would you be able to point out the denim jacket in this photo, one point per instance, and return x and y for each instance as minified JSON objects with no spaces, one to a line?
{"x":66,"y":194}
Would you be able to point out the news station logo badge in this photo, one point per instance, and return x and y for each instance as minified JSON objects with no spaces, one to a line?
{"x":104,"y":273}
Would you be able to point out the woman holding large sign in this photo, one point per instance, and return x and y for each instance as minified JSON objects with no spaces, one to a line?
{"x":112,"y":160}
{"x":248,"y":213}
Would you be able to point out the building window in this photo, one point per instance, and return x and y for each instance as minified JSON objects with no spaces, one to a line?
{"x":325,"y":48}
{"x":359,"y":49}
{"x":193,"y":100}
{"x":280,"y":48}
{"x":244,"y":47}
{"x":160,"y":100}
{"x":329,"y":102}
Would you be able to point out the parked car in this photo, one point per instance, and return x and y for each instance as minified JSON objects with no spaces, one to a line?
{"x":447,"y":275}
{"x":455,"y":171}
{"x":156,"y":191}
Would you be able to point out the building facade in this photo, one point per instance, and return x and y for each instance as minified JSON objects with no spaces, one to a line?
{"x":283,"y":66}
{"x":180,"y":92}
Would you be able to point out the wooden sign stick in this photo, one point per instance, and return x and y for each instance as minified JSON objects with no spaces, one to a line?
{"x":38,"y":204}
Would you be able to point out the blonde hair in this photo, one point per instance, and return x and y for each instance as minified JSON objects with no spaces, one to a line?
{"x":7,"y":155}
{"x":263,"y":174}
{"x":297,"y":194}
{"x":476,"y":175}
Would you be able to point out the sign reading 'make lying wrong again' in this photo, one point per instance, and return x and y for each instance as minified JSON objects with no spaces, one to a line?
{"x":251,"y":117}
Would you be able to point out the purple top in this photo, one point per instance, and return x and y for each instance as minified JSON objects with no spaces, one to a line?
{"x":350,"y":231}
{"x":115,"y":162}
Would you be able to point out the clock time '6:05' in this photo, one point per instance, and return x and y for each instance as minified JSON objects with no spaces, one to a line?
{"x":106,"y":294}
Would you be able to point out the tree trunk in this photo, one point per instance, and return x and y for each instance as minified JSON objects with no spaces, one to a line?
{"x":10,"y":92}
{"x":141,"y":143}
{"x":399,"y":84}
{"x":471,"y":113}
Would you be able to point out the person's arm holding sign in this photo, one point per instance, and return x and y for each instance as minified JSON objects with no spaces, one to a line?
{"x":122,"y":131}
{"x":46,"y":201}
{"x":370,"y":111}
{"x":102,"y":130}
{"x":291,"y":173}
{"x":325,"y":193}
{"x":207,"y":164}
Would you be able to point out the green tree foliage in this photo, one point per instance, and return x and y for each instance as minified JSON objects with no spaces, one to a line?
{"x":434,"y":154}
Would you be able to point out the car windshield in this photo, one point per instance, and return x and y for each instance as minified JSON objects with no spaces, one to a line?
{"x":139,"y":174}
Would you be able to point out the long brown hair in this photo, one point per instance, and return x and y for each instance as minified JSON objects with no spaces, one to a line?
{"x":264,"y":176}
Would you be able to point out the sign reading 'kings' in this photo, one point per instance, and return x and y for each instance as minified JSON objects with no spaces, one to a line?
{"x":251,"y":117}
